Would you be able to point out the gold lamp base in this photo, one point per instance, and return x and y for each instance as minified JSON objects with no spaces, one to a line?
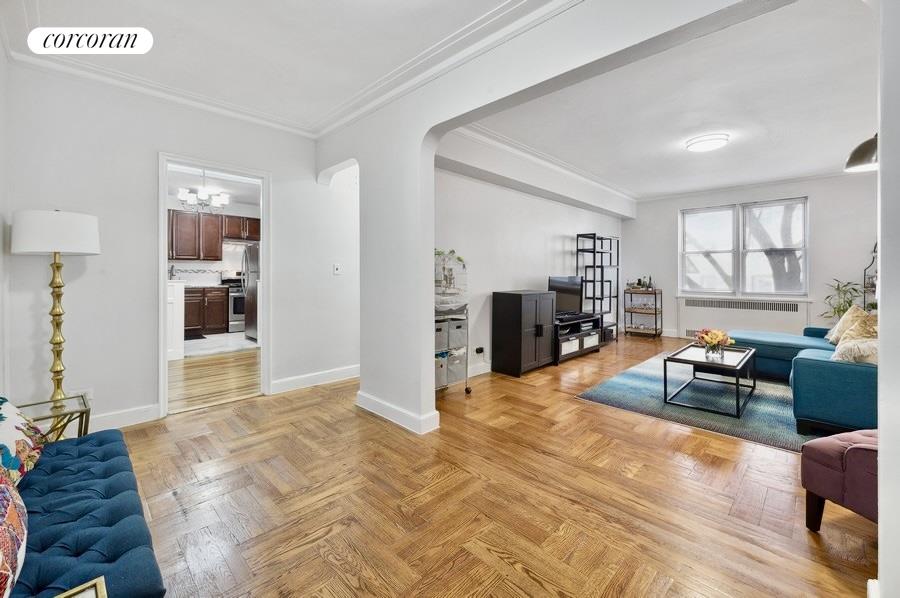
{"x":56,"y":338}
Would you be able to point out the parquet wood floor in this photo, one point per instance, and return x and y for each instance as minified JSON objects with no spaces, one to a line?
{"x":204,"y":381}
{"x":524,"y":491}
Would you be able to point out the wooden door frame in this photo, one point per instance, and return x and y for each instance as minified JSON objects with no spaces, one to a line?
{"x":265,"y":267}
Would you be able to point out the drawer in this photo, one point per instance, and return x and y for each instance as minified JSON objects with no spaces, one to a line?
{"x":440,"y":371}
{"x":458,"y":333}
{"x":213,"y":291}
{"x":590,"y":341}
{"x":456,"y":367}
{"x":193,"y":292}
{"x":441,"y":336}
{"x":571,"y":346}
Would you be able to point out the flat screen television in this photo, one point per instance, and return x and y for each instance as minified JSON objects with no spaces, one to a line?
{"x":568,"y":293}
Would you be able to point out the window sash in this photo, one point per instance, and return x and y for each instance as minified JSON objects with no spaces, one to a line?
{"x":740,"y":253}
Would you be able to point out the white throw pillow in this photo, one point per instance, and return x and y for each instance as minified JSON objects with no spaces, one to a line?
{"x":863,"y":350}
{"x":851,"y":317}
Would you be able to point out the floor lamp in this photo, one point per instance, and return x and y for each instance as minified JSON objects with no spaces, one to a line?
{"x":55,"y":233}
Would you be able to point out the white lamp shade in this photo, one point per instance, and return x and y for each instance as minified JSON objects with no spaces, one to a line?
{"x":40,"y":232}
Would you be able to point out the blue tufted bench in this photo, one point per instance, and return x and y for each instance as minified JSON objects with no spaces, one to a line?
{"x":85,"y":520}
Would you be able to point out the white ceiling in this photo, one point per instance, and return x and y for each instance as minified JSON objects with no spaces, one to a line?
{"x":796,"y":89}
{"x":300,"y":64}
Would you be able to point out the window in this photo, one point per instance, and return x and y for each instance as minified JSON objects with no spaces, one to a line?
{"x":751,"y":249}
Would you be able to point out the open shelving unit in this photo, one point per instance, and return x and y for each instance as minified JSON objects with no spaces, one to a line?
{"x":648,"y":305}
{"x":597,"y":262}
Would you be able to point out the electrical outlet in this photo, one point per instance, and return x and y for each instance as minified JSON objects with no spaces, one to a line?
{"x":337,"y":269}
{"x":479,"y":350}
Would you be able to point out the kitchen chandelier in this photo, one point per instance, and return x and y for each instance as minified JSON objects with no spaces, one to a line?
{"x":202,"y":198}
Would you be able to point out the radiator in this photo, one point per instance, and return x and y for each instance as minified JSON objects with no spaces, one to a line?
{"x":695,"y":313}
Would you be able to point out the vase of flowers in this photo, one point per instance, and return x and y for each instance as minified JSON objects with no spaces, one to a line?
{"x":714,"y":342}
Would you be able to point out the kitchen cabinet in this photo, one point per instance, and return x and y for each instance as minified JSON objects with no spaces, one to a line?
{"x":241,"y":228}
{"x":184,"y":235}
{"x":193,"y":311}
{"x":233,"y":227}
{"x":195,"y":236}
{"x":210,"y":237}
{"x":205,"y":310}
{"x":215,"y":310}
{"x":252,"y":229}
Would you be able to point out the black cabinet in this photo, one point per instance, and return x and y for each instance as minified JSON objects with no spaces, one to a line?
{"x":522,"y":331}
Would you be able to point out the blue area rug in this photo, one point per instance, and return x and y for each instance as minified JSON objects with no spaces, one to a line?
{"x":767,"y":419}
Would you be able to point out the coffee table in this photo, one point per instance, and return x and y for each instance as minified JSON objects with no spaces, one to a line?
{"x":735,"y":362}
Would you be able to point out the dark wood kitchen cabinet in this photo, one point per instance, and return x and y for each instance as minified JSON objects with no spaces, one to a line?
{"x":233,"y":227}
{"x":193,"y":311}
{"x":252,"y":229}
{"x":522,"y":331}
{"x":211,"y":237}
{"x":205,"y":310}
{"x":215,"y":310}
{"x":241,"y":228}
{"x":195,"y":236}
{"x":184,"y":235}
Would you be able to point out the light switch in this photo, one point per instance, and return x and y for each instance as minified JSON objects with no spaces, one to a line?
{"x":337,"y":269}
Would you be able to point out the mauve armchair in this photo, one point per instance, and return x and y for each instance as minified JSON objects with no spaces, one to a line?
{"x":843,"y":469}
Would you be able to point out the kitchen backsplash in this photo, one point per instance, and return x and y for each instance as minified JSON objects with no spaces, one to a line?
{"x":211,"y":273}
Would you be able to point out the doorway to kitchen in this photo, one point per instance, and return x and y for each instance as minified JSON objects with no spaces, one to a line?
{"x":213,"y":256}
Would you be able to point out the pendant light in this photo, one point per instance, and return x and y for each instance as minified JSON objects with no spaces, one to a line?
{"x":864,"y":157}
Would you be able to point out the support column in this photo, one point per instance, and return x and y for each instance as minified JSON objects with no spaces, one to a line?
{"x":396,"y":287}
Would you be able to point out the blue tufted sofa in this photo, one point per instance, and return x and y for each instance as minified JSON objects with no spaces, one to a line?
{"x":85,"y":520}
{"x":828,"y":395}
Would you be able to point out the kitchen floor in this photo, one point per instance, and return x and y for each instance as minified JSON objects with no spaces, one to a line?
{"x":206,"y":380}
{"x":218,"y":343}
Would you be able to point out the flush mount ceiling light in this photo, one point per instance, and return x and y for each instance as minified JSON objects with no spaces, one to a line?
{"x":707,"y":143}
{"x":864,"y":157}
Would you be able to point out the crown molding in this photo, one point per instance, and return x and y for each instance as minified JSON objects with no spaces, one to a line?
{"x":482,"y":134}
{"x":150,"y":88}
{"x":514,"y":17}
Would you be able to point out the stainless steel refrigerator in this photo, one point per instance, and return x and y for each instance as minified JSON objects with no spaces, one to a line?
{"x":250,"y":283}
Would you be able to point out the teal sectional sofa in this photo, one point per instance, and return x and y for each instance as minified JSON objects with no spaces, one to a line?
{"x":829,"y":395}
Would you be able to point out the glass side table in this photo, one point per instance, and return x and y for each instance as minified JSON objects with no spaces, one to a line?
{"x":75,"y":409}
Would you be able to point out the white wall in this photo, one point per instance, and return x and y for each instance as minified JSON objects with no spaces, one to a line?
{"x":4,"y":141}
{"x":85,"y":146}
{"x":510,"y":240}
{"x":842,"y":229}
{"x":889,"y":314}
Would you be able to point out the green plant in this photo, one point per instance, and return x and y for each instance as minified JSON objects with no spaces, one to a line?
{"x":842,"y":298}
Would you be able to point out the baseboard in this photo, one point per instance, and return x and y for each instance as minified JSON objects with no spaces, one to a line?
{"x":872,"y":590}
{"x":124,"y":417}
{"x":314,"y":379}
{"x":406,"y":419}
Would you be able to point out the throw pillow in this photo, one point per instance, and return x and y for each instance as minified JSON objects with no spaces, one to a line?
{"x":866,"y":327}
{"x":13,"y":532}
{"x":861,"y":350}
{"x":21,"y":442}
{"x":847,"y":320}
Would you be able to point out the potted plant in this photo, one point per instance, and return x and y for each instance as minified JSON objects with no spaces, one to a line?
{"x":842,"y":297}
{"x":714,"y":341}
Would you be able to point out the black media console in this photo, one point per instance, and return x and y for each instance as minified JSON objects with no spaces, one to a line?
{"x":574,"y":337}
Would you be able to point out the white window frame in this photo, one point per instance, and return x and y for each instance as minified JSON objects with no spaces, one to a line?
{"x":739,"y":251}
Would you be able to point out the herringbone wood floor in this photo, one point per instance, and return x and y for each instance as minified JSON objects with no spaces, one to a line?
{"x":524,"y":491}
